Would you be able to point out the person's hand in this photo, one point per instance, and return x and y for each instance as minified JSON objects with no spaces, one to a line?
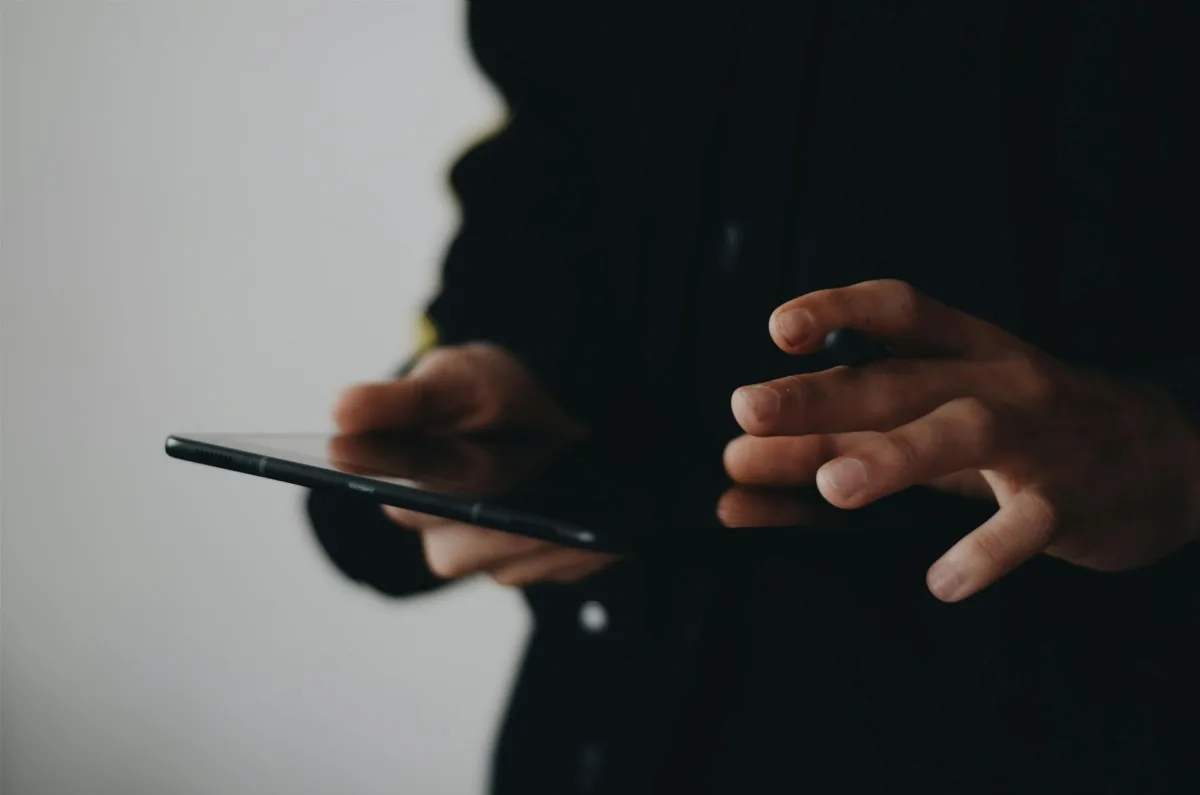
{"x":446,"y":464}
{"x":455,"y":549}
{"x":459,"y":389}
{"x":470,"y":389}
{"x":1102,"y":474}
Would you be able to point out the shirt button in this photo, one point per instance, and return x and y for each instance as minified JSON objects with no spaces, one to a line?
{"x":593,"y":617}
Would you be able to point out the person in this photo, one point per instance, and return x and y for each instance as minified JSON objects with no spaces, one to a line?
{"x":684,"y":200}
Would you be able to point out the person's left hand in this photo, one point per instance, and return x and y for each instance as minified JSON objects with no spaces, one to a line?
{"x":466,"y":465}
{"x":454,"y":393}
{"x":1100,"y":473}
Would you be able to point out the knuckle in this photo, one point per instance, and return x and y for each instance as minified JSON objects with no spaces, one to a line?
{"x":981,"y":419}
{"x":488,"y":357}
{"x":899,"y":450}
{"x":904,"y":301}
{"x":435,"y":360}
{"x":1037,"y":527}
{"x":489,"y":414}
{"x":1043,"y":518}
{"x":993,"y":548}
{"x":1035,"y":380}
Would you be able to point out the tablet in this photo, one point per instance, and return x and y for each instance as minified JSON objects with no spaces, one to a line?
{"x":615,"y":494}
{"x":500,"y":484}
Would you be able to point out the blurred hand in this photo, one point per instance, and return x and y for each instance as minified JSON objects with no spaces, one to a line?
{"x":461,"y":389}
{"x":456,"y":549}
{"x":447,"y":464}
{"x":477,"y":388}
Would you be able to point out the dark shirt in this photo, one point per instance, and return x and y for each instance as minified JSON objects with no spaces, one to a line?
{"x":673,"y":171}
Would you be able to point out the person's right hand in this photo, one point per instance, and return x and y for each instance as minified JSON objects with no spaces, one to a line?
{"x":471,"y":389}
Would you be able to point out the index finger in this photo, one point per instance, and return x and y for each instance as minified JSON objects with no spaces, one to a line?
{"x":887,"y":310}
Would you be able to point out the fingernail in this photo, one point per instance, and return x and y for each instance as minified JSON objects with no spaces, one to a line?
{"x":846,"y":476}
{"x":795,"y":326}
{"x":944,"y":581}
{"x":762,"y":403}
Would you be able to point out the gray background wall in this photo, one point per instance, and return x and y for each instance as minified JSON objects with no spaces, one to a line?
{"x":215,"y":214}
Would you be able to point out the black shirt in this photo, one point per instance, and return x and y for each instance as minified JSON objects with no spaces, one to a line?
{"x":670,"y":173}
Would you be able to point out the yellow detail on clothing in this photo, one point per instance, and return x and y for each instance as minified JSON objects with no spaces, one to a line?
{"x":427,"y":335}
{"x":427,"y":332}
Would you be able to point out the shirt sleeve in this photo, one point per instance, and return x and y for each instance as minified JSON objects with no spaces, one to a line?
{"x":522,"y":270}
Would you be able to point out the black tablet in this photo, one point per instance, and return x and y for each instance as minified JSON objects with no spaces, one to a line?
{"x":500,"y":484}
{"x":613,"y":494}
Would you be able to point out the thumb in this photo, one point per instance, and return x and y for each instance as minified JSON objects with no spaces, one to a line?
{"x":1022,"y":528}
{"x":443,"y":392}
